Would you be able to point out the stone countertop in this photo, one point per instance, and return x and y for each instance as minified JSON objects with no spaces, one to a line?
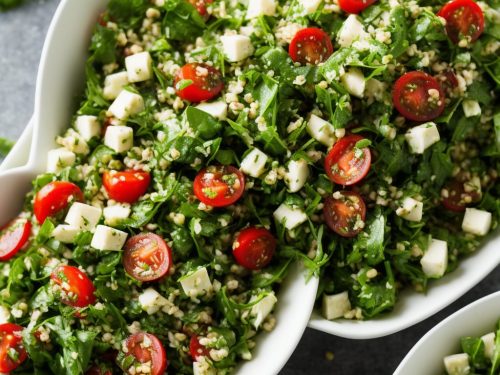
{"x":22,"y":31}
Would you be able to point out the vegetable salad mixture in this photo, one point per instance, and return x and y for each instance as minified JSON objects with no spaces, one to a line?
{"x":481,"y":355}
{"x":220,"y":141}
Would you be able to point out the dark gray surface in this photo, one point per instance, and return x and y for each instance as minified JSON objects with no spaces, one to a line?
{"x":21,"y":37}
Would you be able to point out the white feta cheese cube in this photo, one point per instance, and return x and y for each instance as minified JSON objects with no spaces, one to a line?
{"x":321,"y":130}
{"x":292,"y":217}
{"x":375,"y":89}
{"x":354,"y":82}
{"x":457,"y":364}
{"x":216,"y":109}
{"x":236,"y":47}
{"x":411,"y":210}
{"x":296,"y":175}
{"x":471,"y":108}
{"x":257,"y":8}
{"x":196,"y":283}
{"x":310,"y":6}
{"x":59,"y":158}
{"x":476,"y":221}
{"x":435,"y":260}
{"x":113,"y":215}
{"x":4,"y":314}
{"x":262,"y":308}
{"x":88,"y":126}
{"x":351,"y":30}
{"x":126,"y":104}
{"x":489,"y":344}
{"x":421,"y":137}
{"x":119,"y":138}
{"x":139,"y":67}
{"x":151,"y":301}
{"x":254,"y":164}
{"x":114,"y":84}
{"x":74,"y":142}
{"x":336,"y":306}
{"x":107,"y":238}
{"x":83,"y":216}
{"x":65,"y":233}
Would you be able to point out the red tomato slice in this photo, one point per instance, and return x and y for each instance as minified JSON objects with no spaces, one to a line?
{"x":310,"y":46}
{"x":457,"y":199}
{"x":355,"y":6}
{"x":196,"y":349}
{"x":145,"y":347}
{"x":13,"y":237}
{"x":345,"y":213}
{"x":418,"y":96}
{"x":201,"y":6}
{"x":126,"y":187}
{"x":12,"y":352}
{"x":254,"y":248}
{"x":464,"y":20}
{"x":219,"y":186}
{"x":147,"y":257}
{"x":345,"y":164}
{"x":73,"y":286}
{"x":54,"y":197}
{"x":198,"y":82}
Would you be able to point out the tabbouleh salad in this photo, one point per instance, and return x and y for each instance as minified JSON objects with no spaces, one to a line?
{"x":218,"y":142}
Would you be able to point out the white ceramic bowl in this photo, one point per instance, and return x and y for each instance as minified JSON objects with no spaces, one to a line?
{"x":476,"y":319}
{"x":60,"y":79}
{"x":412,"y":307}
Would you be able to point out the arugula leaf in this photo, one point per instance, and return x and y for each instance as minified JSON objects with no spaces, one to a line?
{"x":103,"y":45}
{"x":182,"y":21}
{"x":204,"y":125}
{"x":398,"y":26}
{"x":5,"y":146}
{"x":474,"y":347}
{"x":128,"y":13}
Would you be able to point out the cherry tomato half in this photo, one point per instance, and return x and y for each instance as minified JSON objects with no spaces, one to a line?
{"x":126,"y":187}
{"x":345,"y":213}
{"x":456,"y":199}
{"x":12,"y":352}
{"x":254,"y":248}
{"x":54,"y":197}
{"x":201,"y":6}
{"x":464,"y":20}
{"x":73,"y":286}
{"x":198,"y":82}
{"x":147,"y":257}
{"x":219,"y":186}
{"x":355,"y":6}
{"x":144,"y":347}
{"x":196,"y":349}
{"x":418,"y":96}
{"x":448,"y":81}
{"x":310,"y":46}
{"x":13,"y":237}
{"x":345,"y":164}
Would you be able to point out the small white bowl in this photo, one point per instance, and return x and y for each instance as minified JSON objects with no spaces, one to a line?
{"x":60,"y":80}
{"x":476,"y":319}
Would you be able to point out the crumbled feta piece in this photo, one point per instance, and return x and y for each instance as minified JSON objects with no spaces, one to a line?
{"x":296,"y":175}
{"x":421,"y":137}
{"x":4,"y":314}
{"x":83,"y":216}
{"x":88,"y":127}
{"x":65,"y":233}
{"x":457,"y":364}
{"x":126,"y":104}
{"x":216,"y":109}
{"x":119,"y":138}
{"x":411,"y":210}
{"x":151,"y":301}
{"x":351,"y":30}
{"x":471,"y":108}
{"x":354,"y":82}
{"x":74,"y":142}
{"x":489,"y":344}
{"x":58,"y":159}
{"x":336,"y":306}
{"x":114,"y":84}
{"x":139,"y":67}
{"x":310,"y":6}
{"x":113,"y":215}
{"x":236,"y":47}
{"x":292,"y":217}
{"x":257,"y":8}
{"x":107,"y":238}
{"x":196,"y":283}
{"x":262,"y":308}
{"x":476,"y":221}
{"x":203,"y":368}
{"x":321,"y":130}
{"x":254,"y":164}
{"x":435,"y":260}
